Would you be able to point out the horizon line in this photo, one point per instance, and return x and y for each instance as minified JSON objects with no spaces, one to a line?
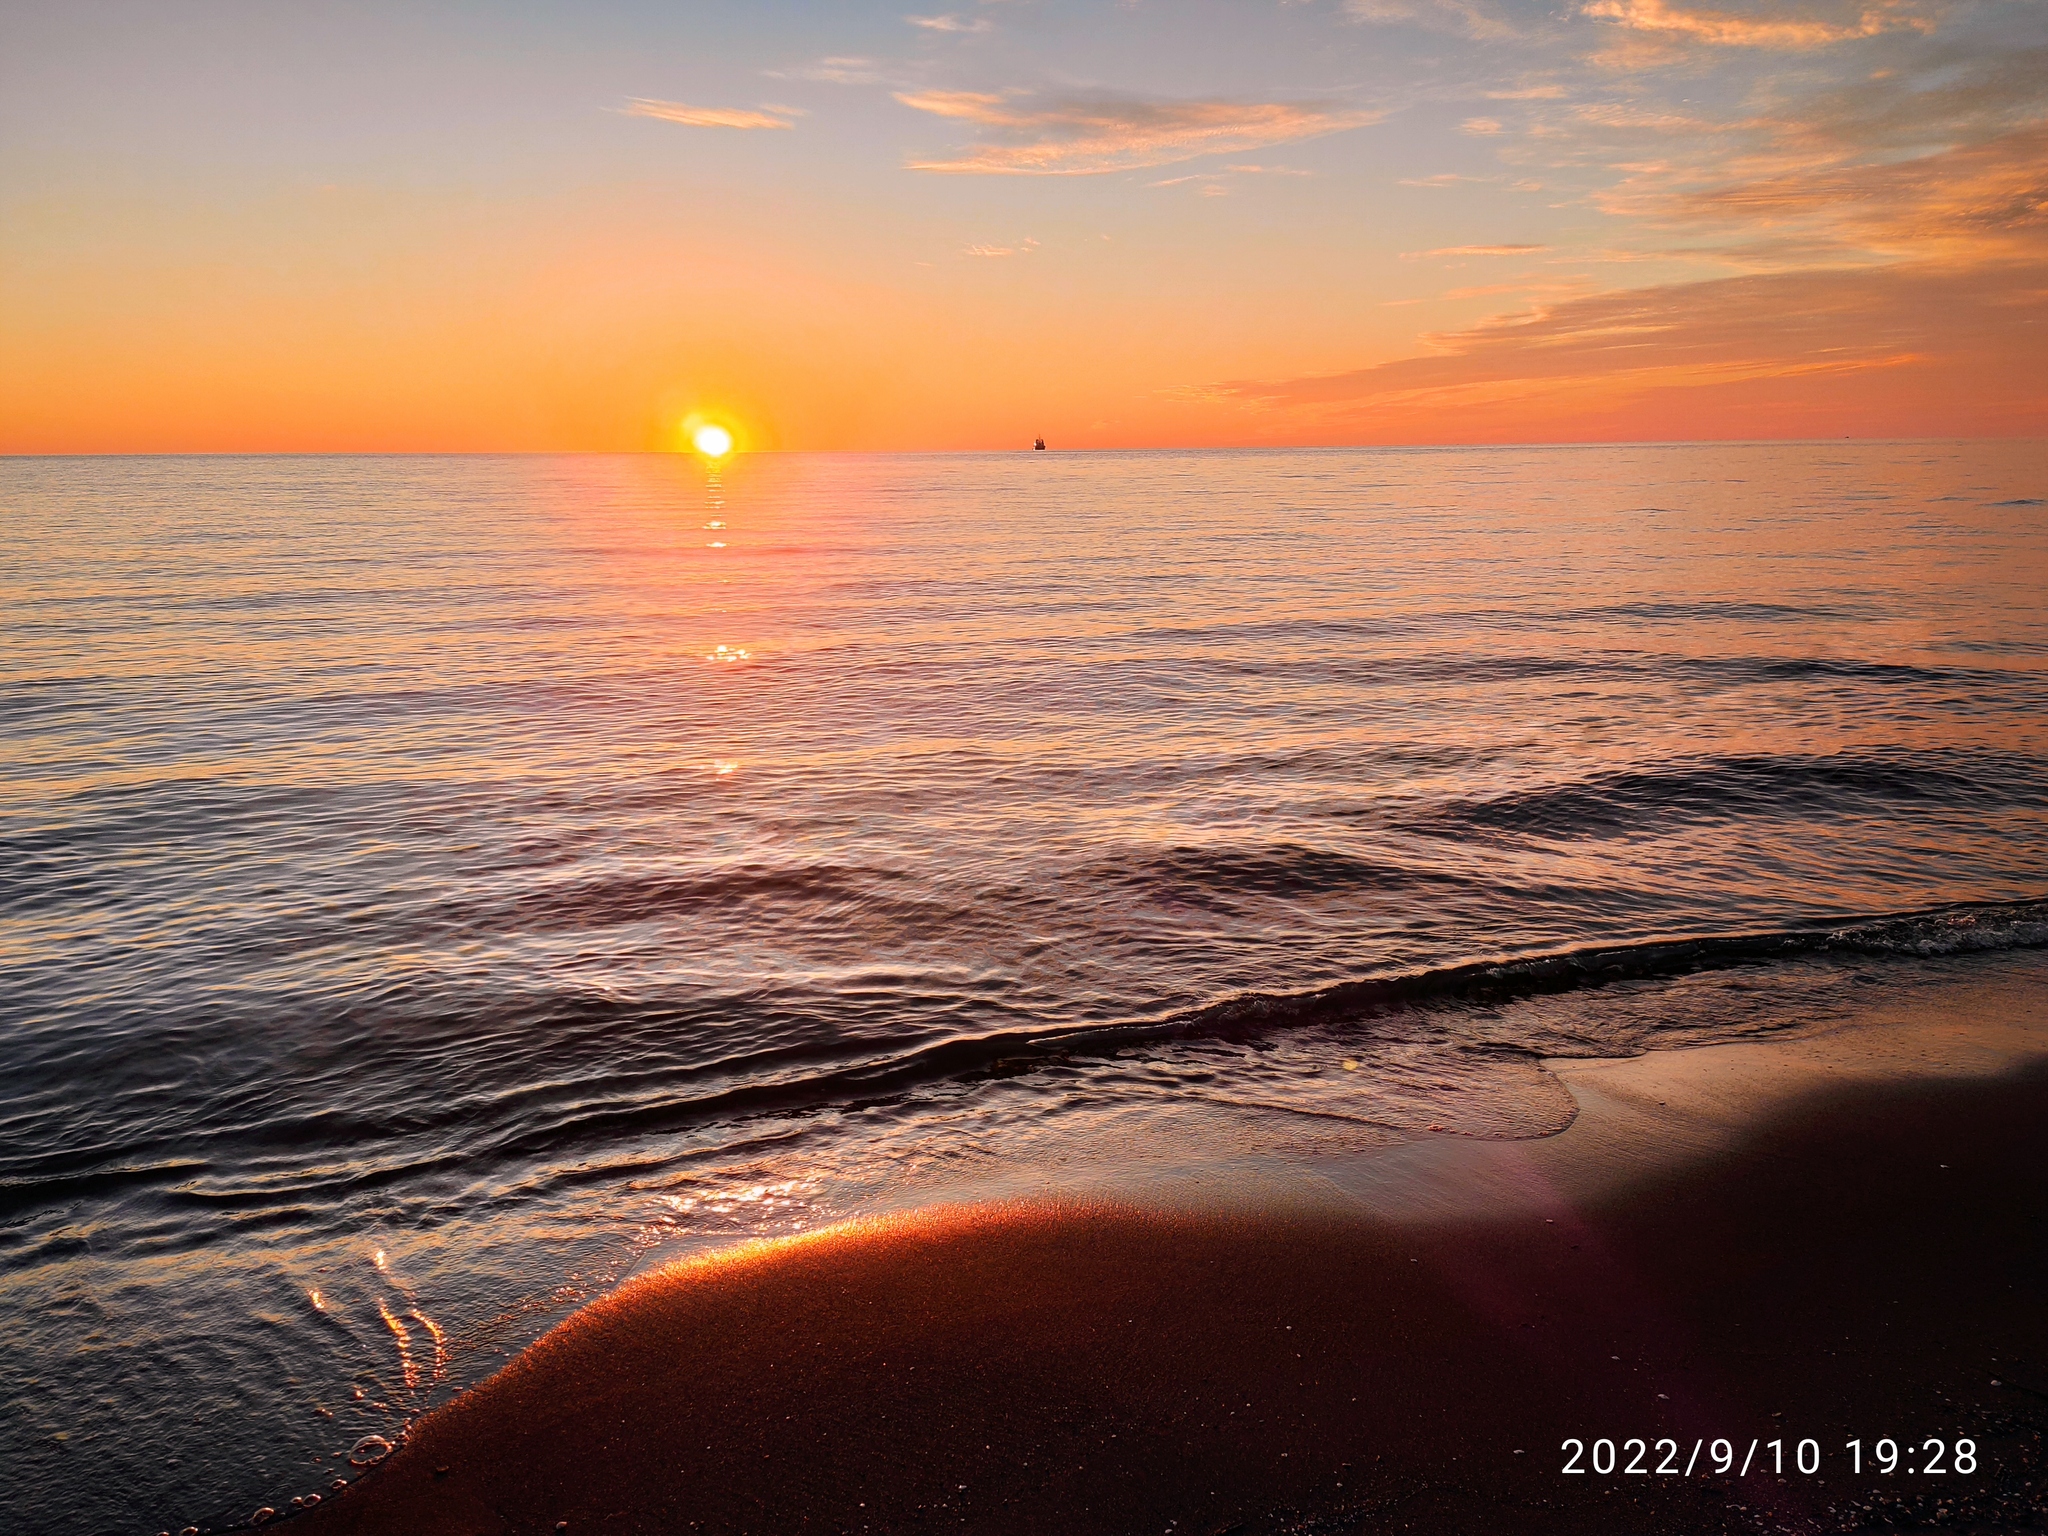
{"x":674,"y":453}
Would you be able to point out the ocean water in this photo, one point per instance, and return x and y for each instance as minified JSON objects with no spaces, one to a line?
{"x":432,"y":889}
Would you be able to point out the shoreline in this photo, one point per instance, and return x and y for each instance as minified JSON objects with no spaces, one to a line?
{"x":1842,"y":1237}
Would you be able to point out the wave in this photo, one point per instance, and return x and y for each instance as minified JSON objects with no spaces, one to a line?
{"x":1194,"y":874}
{"x":1956,"y":929}
{"x":1925,"y":933}
{"x":849,"y":1075}
{"x":642,"y":897}
{"x":1720,"y":788}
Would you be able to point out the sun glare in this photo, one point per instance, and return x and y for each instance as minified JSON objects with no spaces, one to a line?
{"x":711,"y":440}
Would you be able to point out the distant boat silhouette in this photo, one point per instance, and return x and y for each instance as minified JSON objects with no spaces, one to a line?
{"x":1038,"y":442}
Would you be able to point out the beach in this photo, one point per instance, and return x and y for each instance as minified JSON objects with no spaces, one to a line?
{"x":1850,"y":1242}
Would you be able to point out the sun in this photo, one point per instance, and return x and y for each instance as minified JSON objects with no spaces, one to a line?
{"x":711,"y":440}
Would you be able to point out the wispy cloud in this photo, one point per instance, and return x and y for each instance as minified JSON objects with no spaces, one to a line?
{"x":831,"y":71}
{"x":1932,"y":322}
{"x":1023,"y":247}
{"x":1730,"y":29}
{"x":1990,"y":199}
{"x":974,"y":106}
{"x":1210,"y":183}
{"x":952,"y":23}
{"x":1901,"y":165}
{"x":706,"y":117}
{"x":1635,"y":120}
{"x":1492,"y":290}
{"x":1093,"y":135}
{"x":1480,"y":250}
{"x":1467,"y":18}
{"x":1611,"y":257}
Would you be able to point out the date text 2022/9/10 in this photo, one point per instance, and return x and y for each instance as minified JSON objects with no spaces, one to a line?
{"x":1666,"y":1457}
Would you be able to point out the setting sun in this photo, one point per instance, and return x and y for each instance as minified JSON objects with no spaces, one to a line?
{"x":714,"y":442}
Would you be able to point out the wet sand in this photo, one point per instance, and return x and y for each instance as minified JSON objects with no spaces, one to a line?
{"x":1823,"y":1243}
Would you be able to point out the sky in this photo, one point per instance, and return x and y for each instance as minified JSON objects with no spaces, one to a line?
{"x":269,"y":225}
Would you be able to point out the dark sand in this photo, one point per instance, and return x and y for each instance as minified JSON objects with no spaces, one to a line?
{"x":1869,"y":1259}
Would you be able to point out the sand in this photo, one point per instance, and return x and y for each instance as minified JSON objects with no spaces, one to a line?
{"x":1844,"y":1240}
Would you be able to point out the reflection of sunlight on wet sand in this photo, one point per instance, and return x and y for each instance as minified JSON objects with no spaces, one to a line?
{"x":406,"y":1366}
{"x":440,"y":1343}
{"x":767,"y":1247}
{"x":762,"y":1198}
{"x":409,"y":1367}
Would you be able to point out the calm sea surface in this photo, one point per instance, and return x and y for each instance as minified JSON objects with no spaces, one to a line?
{"x":431,"y":889}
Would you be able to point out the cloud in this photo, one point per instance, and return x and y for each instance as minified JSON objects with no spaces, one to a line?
{"x":1464,"y":17}
{"x":1485,"y":126}
{"x":1942,"y":99}
{"x":975,"y":106}
{"x":1875,"y":187}
{"x":1093,"y":135}
{"x":1479,"y":250}
{"x":1214,"y":187}
{"x":1950,"y":321}
{"x":1830,"y":185}
{"x":1456,"y":179}
{"x":1982,"y":199}
{"x":1942,"y":151}
{"x":1729,"y":29}
{"x":831,"y":71}
{"x":1634,"y":120}
{"x":705,"y":117}
{"x":1491,"y":290}
{"x":1023,"y":247}
{"x":1525,"y":289}
{"x":951,"y":23}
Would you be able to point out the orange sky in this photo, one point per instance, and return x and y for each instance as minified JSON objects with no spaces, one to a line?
{"x":259,"y":227}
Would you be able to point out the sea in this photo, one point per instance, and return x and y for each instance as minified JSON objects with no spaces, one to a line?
{"x":434,"y":889}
